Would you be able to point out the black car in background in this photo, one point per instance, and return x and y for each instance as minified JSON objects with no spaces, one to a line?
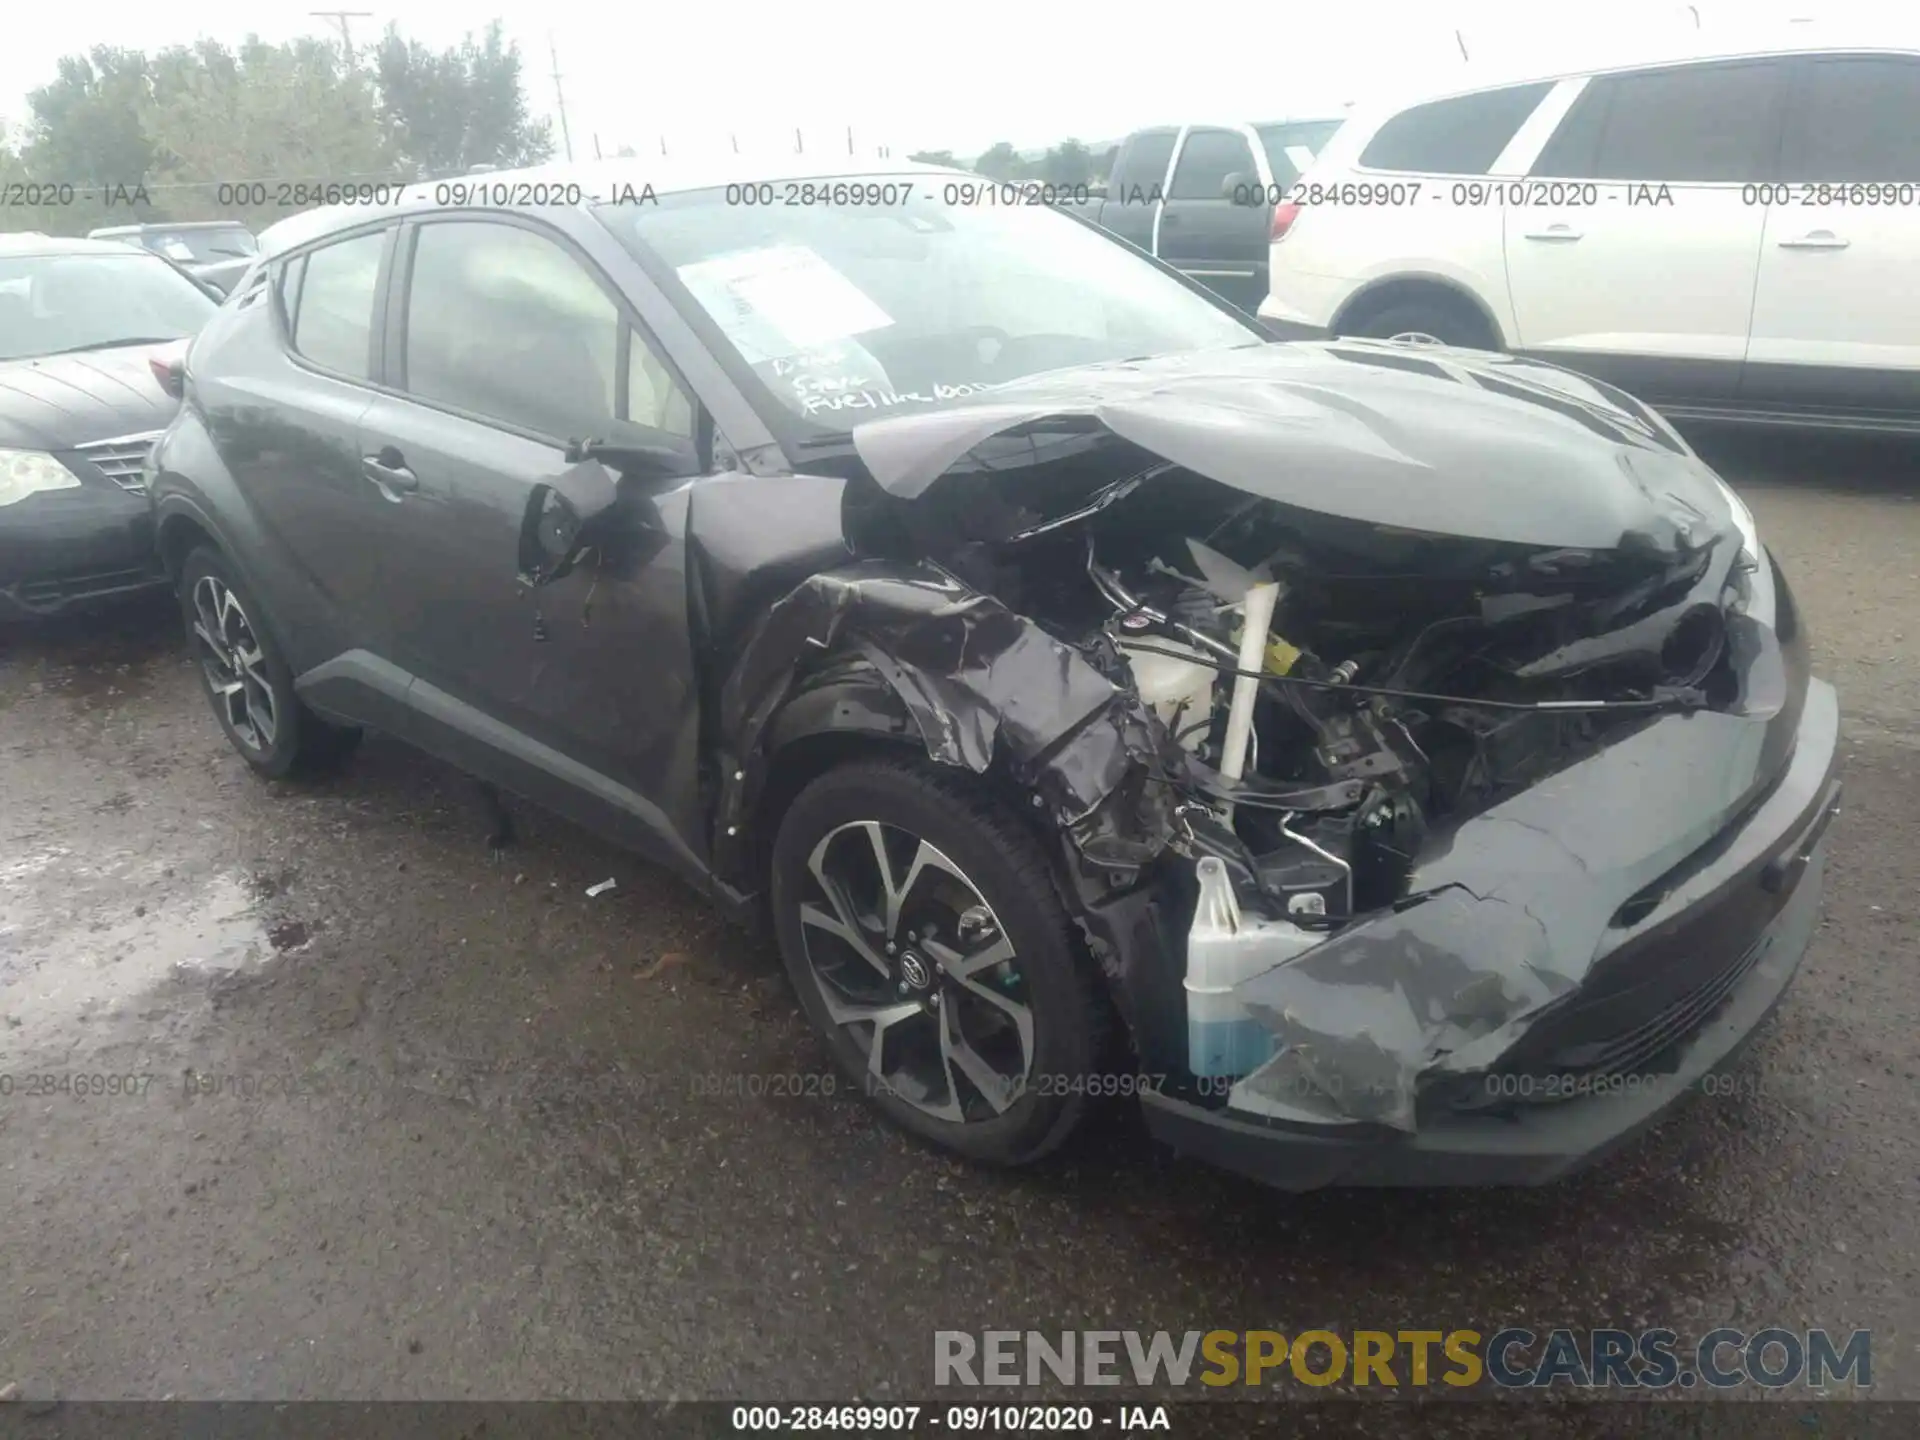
{"x":1383,"y":765}
{"x":89,"y":332}
{"x":212,"y":251}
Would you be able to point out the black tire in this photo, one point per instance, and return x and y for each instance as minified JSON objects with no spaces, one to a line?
{"x":1450,"y":324}
{"x":1006,"y":868}
{"x":300,"y":743}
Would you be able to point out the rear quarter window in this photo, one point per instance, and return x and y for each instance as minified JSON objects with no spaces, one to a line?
{"x":329,"y":298}
{"x":1462,"y":135}
{"x":1704,"y":124}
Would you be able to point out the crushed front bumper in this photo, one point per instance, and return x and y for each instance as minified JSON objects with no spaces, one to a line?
{"x":72,"y":550}
{"x":1518,"y":1066}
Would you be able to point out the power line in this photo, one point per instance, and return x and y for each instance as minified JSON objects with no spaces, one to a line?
{"x":341,"y":17}
{"x":559,"y":97}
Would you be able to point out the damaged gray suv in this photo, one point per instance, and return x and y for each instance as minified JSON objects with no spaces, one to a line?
{"x":1384,"y":765}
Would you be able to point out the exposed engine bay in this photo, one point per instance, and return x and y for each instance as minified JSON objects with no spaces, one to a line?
{"x":1376,"y":716}
{"x":1331,"y":696}
{"x":1333,"y":692}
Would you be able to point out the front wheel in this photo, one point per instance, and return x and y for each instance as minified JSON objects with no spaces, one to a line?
{"x":1427,"y":322}
{"x":920,"y":927}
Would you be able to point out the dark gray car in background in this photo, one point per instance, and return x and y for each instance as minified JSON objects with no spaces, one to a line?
{"x":215,"y":252}
{"x":1383,"y":766}
{"x":89,"y":332}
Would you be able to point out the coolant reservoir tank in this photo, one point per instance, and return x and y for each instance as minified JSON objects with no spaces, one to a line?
{"x":1225,"y":948}
{"x":1178,"y":691}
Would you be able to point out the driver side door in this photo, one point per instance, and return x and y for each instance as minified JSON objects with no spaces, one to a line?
{"x":1208,"y":233}
{"x":505,"y":342}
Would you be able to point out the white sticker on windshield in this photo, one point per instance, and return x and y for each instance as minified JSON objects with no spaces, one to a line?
{"x":780,"y":300}
{"x":1300,"y":157}
{"x":176,"y":250}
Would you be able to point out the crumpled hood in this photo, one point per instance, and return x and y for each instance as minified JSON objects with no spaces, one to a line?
{"x":1448,"y":442}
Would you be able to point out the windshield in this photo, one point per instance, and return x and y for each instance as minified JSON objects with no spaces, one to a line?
{"x":915,"y":300}
{"x":52,"y":303}
{"x":1292,"y":148}
{"x":201,"y":247}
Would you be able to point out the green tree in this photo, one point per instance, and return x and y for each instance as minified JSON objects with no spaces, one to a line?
{"x":1001,"y":162}
{"x":21,"y":216}
{"x":86,"y":128}
{"x":936,"y":157}
{"x":253,"y":135}
{"x":1069,"y":163}
{"x":460,"y":107}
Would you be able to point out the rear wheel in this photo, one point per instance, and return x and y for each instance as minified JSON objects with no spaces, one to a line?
{"x":1426,"y":322}
{"x":920,"y":926}
{"x":246,"y":680}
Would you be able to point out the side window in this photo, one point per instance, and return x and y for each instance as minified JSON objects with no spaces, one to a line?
{"x":653,"y":399}
{"x":1701,"y":123}
{"x":1291,"y":148}
{"x":1206,"y":160}
{"x":330,"y":306}
{"x":504,"y":323}
{"x":1858,"y":119}
{"x":1142,"y":162}
{"x":1460,"y":136}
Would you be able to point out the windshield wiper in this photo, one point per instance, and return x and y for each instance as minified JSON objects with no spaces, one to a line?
{"x":114,"y":344}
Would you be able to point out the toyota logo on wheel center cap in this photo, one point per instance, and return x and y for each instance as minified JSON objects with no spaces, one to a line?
{"x":914,"y":971}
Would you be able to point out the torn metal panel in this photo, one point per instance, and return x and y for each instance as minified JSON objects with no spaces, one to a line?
{"x":979,"y":682}
{"x":1512,"y":451}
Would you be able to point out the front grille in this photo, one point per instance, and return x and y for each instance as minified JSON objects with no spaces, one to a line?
{"x":1577,"y":1070}
{"x":122,"y":458}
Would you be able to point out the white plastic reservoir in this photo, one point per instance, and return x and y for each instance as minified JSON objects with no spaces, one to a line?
{"x":1224,"y":948}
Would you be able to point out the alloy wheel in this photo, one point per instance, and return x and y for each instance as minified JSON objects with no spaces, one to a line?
{"x":234,"y":663}
{"x":913,"y":964}
{"x":1415,"y":337}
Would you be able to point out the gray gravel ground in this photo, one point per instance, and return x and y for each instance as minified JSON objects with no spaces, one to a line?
{"x":499,"y":1178}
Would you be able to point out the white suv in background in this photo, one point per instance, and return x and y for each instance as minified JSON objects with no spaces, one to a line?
{"x":1728,"y":236}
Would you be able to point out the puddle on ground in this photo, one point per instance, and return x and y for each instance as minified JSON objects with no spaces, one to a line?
{"x":58,"y":961}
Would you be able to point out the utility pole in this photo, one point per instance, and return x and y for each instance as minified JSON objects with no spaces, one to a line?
{"x":560,"y":99}
{"x":340,"y":18}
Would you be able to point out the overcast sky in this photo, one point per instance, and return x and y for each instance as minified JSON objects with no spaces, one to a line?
{"x":915,"y":76}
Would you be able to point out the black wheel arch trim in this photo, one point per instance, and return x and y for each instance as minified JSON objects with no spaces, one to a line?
{"x":177,"y":507}
{"x":1357,"y":301}
{"x":887,"y":653}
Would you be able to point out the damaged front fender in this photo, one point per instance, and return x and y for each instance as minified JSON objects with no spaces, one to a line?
{"x":981,"y":686}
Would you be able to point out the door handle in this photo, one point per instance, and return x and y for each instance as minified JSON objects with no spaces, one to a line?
{"x":389,"y":471}
{"x":1555,"y":232}
{"x":1816,"y":240}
